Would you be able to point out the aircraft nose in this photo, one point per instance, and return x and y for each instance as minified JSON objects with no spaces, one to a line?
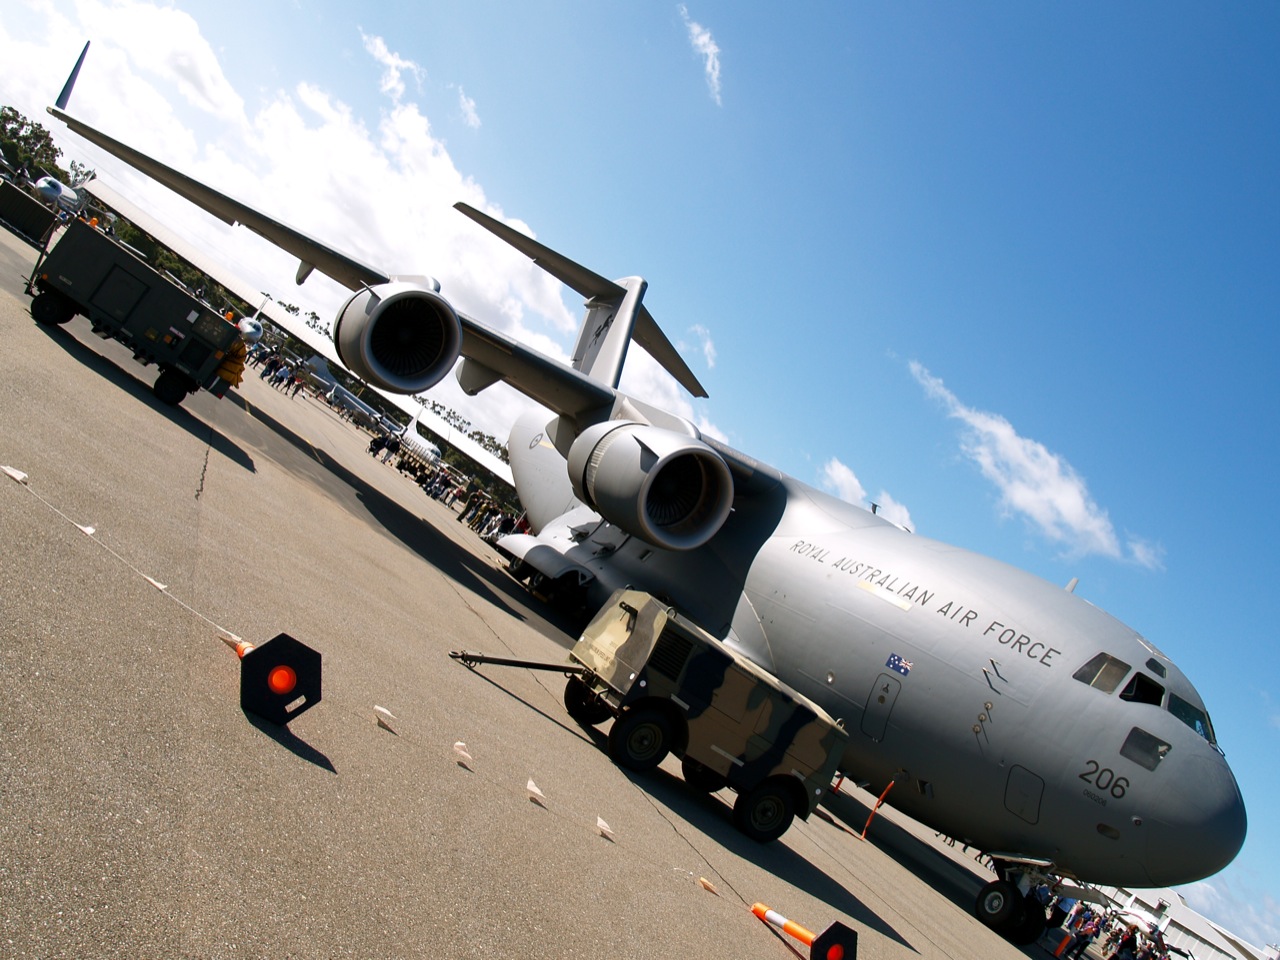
{"x":1199,"y":826}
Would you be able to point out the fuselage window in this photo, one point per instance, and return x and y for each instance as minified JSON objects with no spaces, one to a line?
{"x":1104,"y":672}
{"x":1192,"y":716}
{"x":1144,"y":748}
{"x":1142,"y":689}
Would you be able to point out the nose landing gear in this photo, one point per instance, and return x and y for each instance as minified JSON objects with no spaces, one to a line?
{"x":1019,"y":918}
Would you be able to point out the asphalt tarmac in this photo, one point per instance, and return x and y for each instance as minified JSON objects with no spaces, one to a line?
{"x":144,"y":814}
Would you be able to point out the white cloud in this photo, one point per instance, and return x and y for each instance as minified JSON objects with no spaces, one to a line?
{"x":1037,"y":483}
{"x":705,"y":344}
{"x":394,"y":64}
{"x":468,"y":108}
{"x":705,"y":46}
{"x":165,"y":44}
{"x":1251,"y":914}
{"x":839,"y":479}
{"x":893,"y":511}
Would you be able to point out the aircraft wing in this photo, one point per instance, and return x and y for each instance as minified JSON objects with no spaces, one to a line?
{"x":500,"y":357}
{"x":537,"y":376}
{"x":348,"y":271}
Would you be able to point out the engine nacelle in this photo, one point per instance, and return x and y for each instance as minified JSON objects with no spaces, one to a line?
{"x":398,"y":336}
{"x":666,"y":488}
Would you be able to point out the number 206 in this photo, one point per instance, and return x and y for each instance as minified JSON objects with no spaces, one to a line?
{"x":1105,"y":778}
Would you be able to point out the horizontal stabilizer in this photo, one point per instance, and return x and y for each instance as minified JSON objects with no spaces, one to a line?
{"x":592,"y":286}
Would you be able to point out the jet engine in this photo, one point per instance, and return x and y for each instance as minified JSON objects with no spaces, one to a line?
{"x":398,"y":336}
{"x":668,"y":489}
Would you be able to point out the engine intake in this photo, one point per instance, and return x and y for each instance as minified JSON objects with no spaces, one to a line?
{"x":399,"y":336}
{"x":668,"y":489}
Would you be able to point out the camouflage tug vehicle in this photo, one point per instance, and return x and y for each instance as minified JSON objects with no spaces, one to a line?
{"x":674,"y":688}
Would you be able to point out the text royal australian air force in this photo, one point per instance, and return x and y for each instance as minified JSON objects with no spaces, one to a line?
{"x":905,"y":593}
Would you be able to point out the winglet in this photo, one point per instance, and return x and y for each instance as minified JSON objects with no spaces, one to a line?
{"x":65,"y":95}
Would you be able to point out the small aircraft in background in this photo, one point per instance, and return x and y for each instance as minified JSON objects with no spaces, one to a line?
{"x":58,"y":194}
{"x":336,"y":395}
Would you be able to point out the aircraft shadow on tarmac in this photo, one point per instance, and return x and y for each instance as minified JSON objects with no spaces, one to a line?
{"x":141,"y":391}
{"x":711,"y":814}
{"x":931,"y":867}
{"x":291,"y":742}
{"x":418,"y":535}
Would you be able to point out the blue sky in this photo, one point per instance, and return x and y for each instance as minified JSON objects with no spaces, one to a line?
{"x":1007,"y":269}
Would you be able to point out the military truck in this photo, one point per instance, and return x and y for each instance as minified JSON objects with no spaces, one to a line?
{"x":23,"y":214}
{"x":88,"y":272}
{"x":672,"y":687}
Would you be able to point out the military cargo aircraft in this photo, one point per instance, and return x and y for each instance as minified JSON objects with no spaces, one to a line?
{"x":1004,"y":710}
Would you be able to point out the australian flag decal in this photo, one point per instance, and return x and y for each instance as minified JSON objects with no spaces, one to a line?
{"x":898,"y":665}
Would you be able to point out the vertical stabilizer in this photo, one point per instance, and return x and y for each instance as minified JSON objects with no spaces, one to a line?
{"x":606,"y":330}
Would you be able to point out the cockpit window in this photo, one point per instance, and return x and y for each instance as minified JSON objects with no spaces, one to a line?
{"x":1142,"y":689}
{"x":1144,"y":748}
{"x":1104,"y":672}
{"x":1156,"y":667}
{"x":1192,"y":716}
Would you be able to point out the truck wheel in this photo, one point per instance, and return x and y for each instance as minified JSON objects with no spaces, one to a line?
{"x":51,"y":309}
{"x":639,"y":739}
{"x":999,"y":905}
{"x":171,"y":387}
{"x":765,"y":812}
{"x":701,"y":777}
{"x":583,"y":706}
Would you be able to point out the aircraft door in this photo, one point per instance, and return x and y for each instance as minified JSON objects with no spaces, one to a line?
{"x":875,"y":718}
{"x":1022,"y":794}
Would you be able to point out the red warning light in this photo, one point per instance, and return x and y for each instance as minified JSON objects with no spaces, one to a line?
{"x":282,"y":679}
{"x":279,"y":679}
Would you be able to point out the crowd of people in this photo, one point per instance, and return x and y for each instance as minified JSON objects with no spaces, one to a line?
{"x":1121,"y":939}
{"x":1118,"y":936}
{"x":478,"y":510}
{"x":488,"y":518}
{"x":276,"y":370}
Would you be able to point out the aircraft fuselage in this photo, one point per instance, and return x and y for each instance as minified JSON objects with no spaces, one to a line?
{"x":957,"y":678}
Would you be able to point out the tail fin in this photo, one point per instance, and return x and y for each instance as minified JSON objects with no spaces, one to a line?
{"x":615,"y":312}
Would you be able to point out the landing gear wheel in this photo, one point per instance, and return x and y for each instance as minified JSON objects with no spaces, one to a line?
{"x":999,"y":906}
{"x":567,"y":593}
{"x":765,"y":813}
{"x":702,"y":777}
{"x":51,"y":309}
{"x":1031,"y":926}
{"x":639,"y":739}
{"x":583,"y":706}
{"x":171,"y":387}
